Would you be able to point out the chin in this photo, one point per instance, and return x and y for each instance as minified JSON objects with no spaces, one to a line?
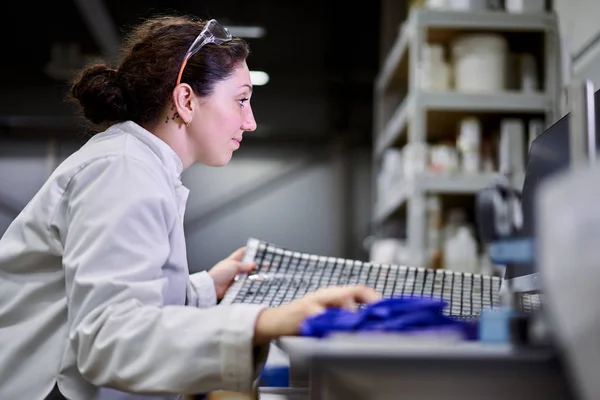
{"x":220,"y":162}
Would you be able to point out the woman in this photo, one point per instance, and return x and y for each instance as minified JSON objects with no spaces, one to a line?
{"x":96,"y":301}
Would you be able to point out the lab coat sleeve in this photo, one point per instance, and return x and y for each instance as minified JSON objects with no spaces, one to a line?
{"x":119,"y":218}
{"x":201,"y":290}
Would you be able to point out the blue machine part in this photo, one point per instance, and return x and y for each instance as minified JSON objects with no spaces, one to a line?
{"x":494,"y":325}
{"x":512,"y":251}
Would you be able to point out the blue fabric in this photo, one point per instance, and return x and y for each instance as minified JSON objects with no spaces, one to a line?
{"x":401,"y":314}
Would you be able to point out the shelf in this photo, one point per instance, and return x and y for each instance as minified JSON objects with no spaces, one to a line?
{"x":484,"y":20}
{"x":509,"y":101}
{"x":455,"y":184}
{"x":489,"y":21}
{"x":456,"y":102}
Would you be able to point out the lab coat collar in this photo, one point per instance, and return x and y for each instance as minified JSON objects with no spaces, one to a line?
{"x":163,"y":151}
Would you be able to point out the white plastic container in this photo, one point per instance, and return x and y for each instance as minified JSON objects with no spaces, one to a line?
{"x":528,"y":73}
{"x":434,"y":71}
{"x":480,"y":62}
{"x":415,"y":157}
{"x":460,"y":252}
{"x":443,"y":159}
{"x":385,"y":251}
{"x":469,"y":144}
{"x":512,"y":145}
{"x":436,"y":4}
{"x":467,"y":5}
{"x":525,"y":6}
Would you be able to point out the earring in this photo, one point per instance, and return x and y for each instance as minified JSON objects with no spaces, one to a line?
{"x":187,"y":124}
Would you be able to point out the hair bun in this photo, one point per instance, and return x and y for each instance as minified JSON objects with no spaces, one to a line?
{"x":97,"y":90}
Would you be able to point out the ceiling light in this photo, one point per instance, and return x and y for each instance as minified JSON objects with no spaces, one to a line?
{"x":259,"y":78}
{"x":252,"y":32}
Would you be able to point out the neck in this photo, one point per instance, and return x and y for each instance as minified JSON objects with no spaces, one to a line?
{"x":174,"y":135}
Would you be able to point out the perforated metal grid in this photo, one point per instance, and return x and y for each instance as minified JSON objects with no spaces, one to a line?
{"x":284,"y":275}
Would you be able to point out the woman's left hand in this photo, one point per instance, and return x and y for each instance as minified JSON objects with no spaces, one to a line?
{"x":225,"y":270}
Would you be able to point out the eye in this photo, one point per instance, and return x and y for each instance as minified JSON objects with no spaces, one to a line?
{"x":242,"y":101}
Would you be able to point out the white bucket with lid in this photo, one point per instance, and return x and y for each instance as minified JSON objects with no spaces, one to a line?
{"x":480,"y":62}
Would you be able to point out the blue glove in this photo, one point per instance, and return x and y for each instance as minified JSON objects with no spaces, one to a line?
{"x":409,"y":314}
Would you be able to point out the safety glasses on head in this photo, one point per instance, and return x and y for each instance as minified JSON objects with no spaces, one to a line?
{"x":213,"y":32}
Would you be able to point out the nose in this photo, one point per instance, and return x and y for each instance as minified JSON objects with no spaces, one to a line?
{"x":249,"y":123}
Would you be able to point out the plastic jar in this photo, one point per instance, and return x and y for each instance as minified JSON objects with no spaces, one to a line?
{"x":434,"y":71}
{"x":468,"y":143}
{"x":480,"y":62}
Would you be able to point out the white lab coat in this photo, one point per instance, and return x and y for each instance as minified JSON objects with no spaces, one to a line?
{"x":95,"y":291}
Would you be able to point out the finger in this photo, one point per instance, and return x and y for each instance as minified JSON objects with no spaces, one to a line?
{"x":347,"y":296}
{"x":315,"y":309}
{"x":238,"y":255}
{"x":365,"y":294}
{"x":348,"y":303}
{"x":335,"y":297}
{"x":247,"y":267}
{"x":342,"y":301}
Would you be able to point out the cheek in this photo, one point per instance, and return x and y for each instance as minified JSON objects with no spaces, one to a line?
{"x":226,"y":119}
{"x":214,"y":129}
{"x":215,"y":139}
{"x":220,"y":125}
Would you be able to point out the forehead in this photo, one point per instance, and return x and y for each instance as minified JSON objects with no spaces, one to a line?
{"x":238,"y":81}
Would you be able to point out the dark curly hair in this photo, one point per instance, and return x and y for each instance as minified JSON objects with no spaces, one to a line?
{"x":152,"y":55}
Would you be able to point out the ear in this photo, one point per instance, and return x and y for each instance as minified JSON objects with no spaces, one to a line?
{"x":182,"y":99}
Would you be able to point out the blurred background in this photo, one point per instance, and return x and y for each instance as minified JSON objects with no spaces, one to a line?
{"x":377,"y":123}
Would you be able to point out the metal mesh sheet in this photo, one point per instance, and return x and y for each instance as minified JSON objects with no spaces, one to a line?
{"x":284,"y":275}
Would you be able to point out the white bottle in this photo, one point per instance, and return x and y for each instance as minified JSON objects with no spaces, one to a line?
{"x":460,"y":252}
{"x":434,"y":71}
{"x":436,"y":4}
{"x":525,"y":6}
{"x":468,"y":144}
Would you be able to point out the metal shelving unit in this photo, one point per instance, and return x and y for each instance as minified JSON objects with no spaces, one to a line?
{"x":404,"y":113}
{"x":395,"y":128}
{"x":456,"y":184}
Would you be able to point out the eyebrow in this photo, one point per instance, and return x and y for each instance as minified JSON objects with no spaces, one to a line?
{"x":249,"y":87}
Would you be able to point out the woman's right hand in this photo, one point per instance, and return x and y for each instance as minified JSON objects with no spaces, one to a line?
{"x":285,"y":320}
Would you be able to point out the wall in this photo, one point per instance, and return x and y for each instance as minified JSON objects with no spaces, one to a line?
{"x":293,"y":196}
{"x":580,"y":37}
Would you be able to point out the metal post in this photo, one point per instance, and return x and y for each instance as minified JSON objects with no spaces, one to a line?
{"x":582,"y":124}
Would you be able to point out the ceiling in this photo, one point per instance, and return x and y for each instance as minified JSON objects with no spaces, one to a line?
{"x":321,"y":56}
